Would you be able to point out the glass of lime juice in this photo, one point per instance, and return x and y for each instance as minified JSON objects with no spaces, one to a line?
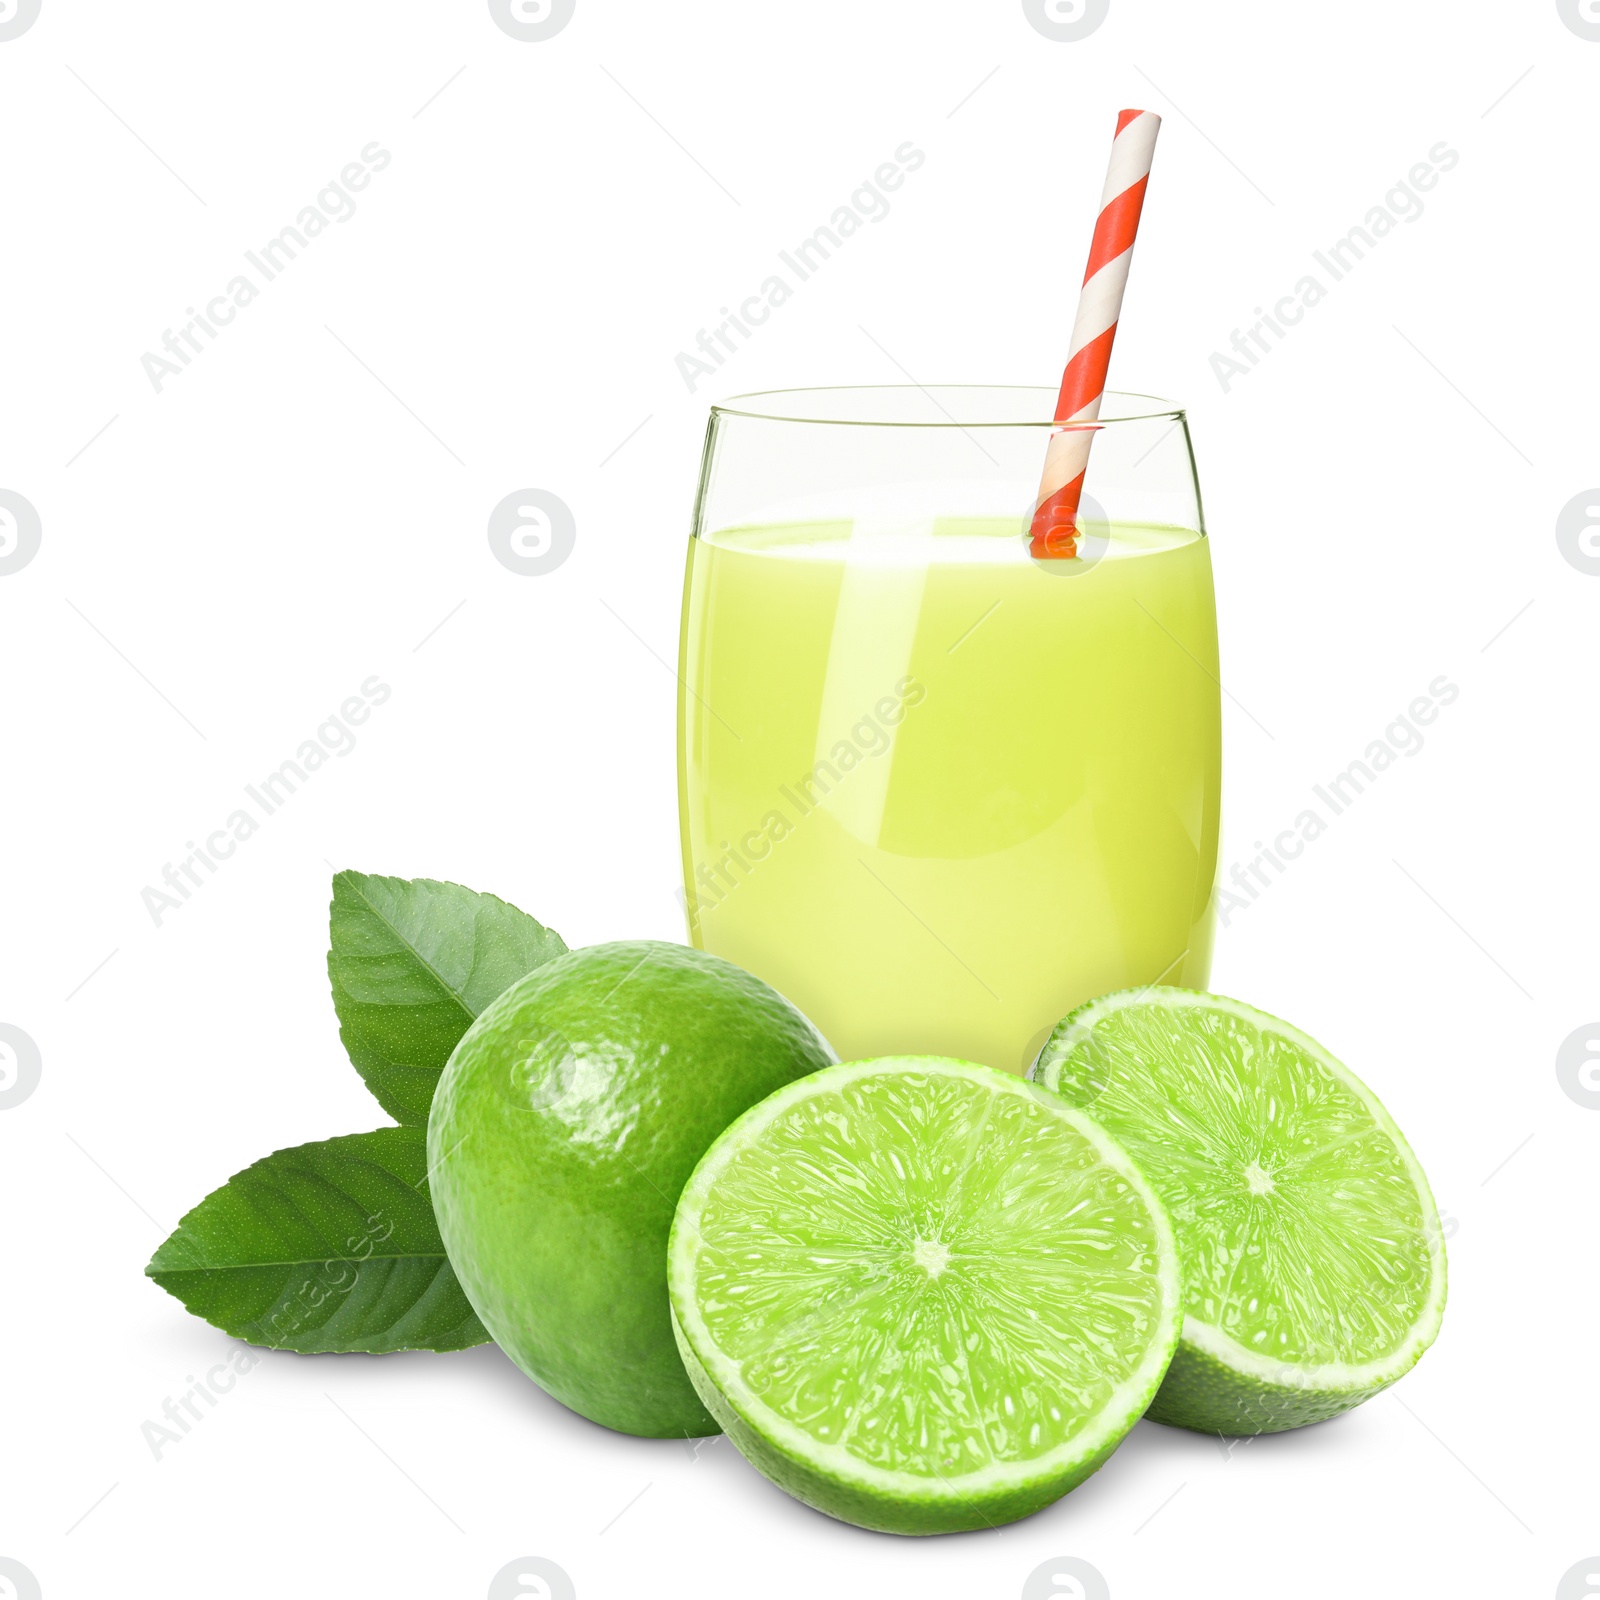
{"x":934,"y":791}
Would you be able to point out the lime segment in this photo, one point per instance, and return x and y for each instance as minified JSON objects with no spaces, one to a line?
{"x":922,"y":1295}
{"x":1313,"y":1262}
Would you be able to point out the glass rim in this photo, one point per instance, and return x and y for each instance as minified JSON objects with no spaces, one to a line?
{"x":1145,"y":407}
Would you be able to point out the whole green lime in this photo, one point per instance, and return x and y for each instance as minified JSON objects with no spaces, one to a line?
{"x":565,"y":1125}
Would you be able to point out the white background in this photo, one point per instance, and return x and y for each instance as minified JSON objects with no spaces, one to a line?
{"x":222,"y":563}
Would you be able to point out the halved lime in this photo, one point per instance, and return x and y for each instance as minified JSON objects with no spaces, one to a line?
{"x":922,"y":1295}
{"x":1314,"y":1270}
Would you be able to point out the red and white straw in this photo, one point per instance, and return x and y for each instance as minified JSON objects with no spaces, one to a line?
{"x":1055,"y":528}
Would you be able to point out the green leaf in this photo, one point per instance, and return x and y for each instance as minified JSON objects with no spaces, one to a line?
{"x":326,"y":1247}
{"x":412,"y":963}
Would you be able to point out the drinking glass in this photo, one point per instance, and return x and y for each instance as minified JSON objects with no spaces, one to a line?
{"x":933,"y":790}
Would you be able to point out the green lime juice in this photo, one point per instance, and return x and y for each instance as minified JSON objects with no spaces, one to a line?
{"x":938,"y":793}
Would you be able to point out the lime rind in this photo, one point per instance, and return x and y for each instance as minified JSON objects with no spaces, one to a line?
{"x":1204,"y":1392}
{"x":862,"y":1500}
{"x":1216,"y":1383}
{"x":839,"y":1479}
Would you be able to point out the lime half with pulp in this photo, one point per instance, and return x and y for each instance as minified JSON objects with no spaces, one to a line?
{"x":1314,"y":1271}
{"x":922,"y":1295}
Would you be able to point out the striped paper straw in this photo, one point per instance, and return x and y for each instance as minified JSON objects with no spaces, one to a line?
{"x":1055,"y":529}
